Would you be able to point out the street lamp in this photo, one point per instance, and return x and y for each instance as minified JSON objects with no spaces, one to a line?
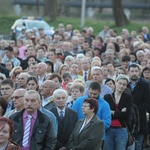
{"x":83,"y":7}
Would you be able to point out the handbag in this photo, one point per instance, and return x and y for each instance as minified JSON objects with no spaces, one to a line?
{"x":131,"y":138}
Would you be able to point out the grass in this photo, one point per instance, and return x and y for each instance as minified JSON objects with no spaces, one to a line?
{"x":6,"y":23}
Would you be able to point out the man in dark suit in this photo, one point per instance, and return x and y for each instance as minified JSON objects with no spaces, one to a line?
{"x":32,"y":129}
{"x":141,"y":98}
{"x":66,"y":118}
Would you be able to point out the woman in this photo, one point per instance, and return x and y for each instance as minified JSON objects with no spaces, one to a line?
{"x":32,"y":84}
{"x":6,"y":131}
{"x":64,"y":68}
{"x":88,"y":132}
{"x":111,"y":83}
{"x":3,"y":106}
{"x":146,"y":73}
{"x":120,"y":105}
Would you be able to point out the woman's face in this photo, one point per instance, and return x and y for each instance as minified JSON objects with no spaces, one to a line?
{"x":4,"y":133}
{"x":64,"y":69}
{"x":111,"y":85}
{"x":9,"y":66}
{"x":121,"y":85}
{"x":146,"y":74}
{"x":31,"y":85}
{"x":31,"y":60}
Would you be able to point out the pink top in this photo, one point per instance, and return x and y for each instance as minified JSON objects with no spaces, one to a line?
{"x":22,"y":52}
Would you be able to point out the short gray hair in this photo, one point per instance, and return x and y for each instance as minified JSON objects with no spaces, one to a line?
{"x":58,"y":91}
{"x":33,"y":92}
{"x":96,"y":68}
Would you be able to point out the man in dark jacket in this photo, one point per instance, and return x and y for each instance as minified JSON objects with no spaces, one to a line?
{"x":32,"y":129}
{"x":141,"y":98}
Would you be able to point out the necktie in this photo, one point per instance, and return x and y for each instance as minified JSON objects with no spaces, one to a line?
{"x":61,"y":115}
{"x":26,"y":132}
{"x":85,"y":76}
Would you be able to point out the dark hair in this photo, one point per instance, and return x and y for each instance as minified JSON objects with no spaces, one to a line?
{"x":133,"y":66}
{"x":55,"y":75}
{"x":35,"y":80}
{"x":4,"y":121}
{"x":144,"y":69}
{"x":10,"y":62}
{"x":7,"y":81}
{"x":109,"y":79}
{"x":50,"y":63}
{"x":95,"y":86}
{"x":53,"y":50}
{"x":3,"y":104}
{"x":125,"y":58}
{"x":9,"y":48}
{"x":66,"y":74}
{"x":93,"y":104}
{"x":134,"y":54}
{"x":32,"y":56}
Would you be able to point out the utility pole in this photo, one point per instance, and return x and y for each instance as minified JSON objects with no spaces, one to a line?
{"x":83,"y":8}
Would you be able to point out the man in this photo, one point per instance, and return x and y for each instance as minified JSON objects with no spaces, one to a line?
{"x":97,"y":76}
{"x":41,"y":72}
{"x":47,"y":89}
{"x":22,"y":80}
{"x":85,"y":72}
{"x":7,"y":89}
{"x":18,"y":101}
{"x":141,"y":98}
{"x":9,"y":56}
{"x":66,"y":118}
{"x":33,"y":129}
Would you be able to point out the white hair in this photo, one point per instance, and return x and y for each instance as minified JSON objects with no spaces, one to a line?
{"x":58,"y":91}
{"x":96,"y":68}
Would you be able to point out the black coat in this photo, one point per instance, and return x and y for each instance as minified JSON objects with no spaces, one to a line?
{"x":65,"y":126}
{"x":141,"y":98}
{"x":42,"y":137}
{"x":125,"y":102}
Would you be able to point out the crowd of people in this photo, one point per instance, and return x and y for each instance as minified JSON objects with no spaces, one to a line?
{"x":75,"y":90}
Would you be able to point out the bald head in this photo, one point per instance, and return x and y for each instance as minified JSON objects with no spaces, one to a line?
{"x":47,"y":88}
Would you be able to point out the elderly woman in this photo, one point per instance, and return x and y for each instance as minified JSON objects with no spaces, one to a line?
{"x":6,"y":131}
{"x":88,"y":132}
{"x":120,"y":105}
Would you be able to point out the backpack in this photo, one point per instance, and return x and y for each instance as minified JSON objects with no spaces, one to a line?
{"x":133,"y":121}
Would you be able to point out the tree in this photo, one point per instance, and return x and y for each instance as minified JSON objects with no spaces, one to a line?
{"x":118,"y":13}
{"x":51,"y":9}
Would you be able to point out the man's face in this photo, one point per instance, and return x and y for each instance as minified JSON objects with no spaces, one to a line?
{"x":93,"y":93}
{"x":134,"y":73}
{"x":51,"y":56}
{"x":110,"y":68}
{"x":30,"y":51}
{"x":60,"y":100}
{"x":56,"y":80}
{"x":85,"y":64}
{"x":97,"y":76}
{"x":6,"y":91}
{"x":40,"y":69}
{"x":18,"y":100}
{"x":8,"y":53}
{"x":46,"y":89}
{"x":22,"y":80}
{"x":31,"y":103}
{"x":140,"y":57}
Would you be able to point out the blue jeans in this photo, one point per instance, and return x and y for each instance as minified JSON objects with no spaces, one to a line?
{"x":116,"y":139}
{"x":139,"y":141}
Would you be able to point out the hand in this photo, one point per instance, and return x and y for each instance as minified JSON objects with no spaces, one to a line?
{"x":123,"y":109}
{"x":63,"y":148}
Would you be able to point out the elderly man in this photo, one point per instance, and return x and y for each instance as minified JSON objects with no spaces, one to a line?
{"x":47,"y":89}
{"x":33,"y":129}
{"x":66,"y":118}
{"x":22,"y":80}
{"x":18,"y":101}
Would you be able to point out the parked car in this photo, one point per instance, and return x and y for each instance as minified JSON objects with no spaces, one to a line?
{"x":29,"y":23}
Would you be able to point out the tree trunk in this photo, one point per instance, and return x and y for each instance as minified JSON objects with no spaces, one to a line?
{"x":50,"y":9}
{"x":37,"y":6}
{"x":118,"y":13}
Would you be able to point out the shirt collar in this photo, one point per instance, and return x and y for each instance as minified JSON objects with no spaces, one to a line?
{"x":34,"y":116}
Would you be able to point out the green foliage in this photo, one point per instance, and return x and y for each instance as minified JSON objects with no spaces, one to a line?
{"x":7,"y":22}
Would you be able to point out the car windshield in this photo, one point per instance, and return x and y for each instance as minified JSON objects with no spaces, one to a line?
{"x":38,"y":24}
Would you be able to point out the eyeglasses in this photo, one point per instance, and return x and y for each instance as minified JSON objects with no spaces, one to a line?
{"x":85,"y":106}
{"x":7,"y":88}
{"x":16,"y":97}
